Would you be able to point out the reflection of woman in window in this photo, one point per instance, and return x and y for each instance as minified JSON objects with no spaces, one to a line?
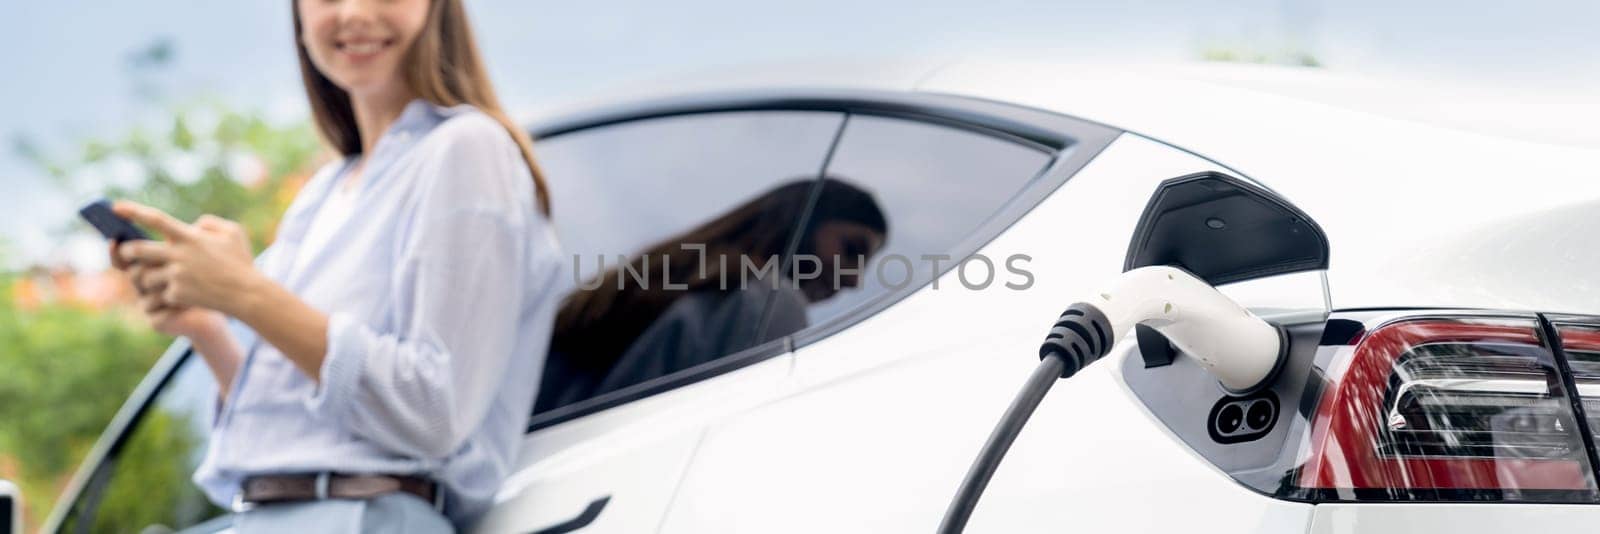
{"x":374,"y":371}
{"x":623,"y":332}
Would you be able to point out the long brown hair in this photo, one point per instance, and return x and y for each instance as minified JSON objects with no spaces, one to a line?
{"x":443,"y":67}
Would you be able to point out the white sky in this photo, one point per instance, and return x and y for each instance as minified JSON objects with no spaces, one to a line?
{"x":66,"y":76}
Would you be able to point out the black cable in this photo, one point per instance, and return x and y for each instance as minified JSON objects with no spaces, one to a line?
{"x":1080,"y":336}
{"x":1005,"y":432}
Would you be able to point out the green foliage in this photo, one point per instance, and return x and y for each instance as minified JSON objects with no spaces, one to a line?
{"x":66,"y":371}
{"x":205,"y":160}
{"x":1238,"y":53}
{"x":67,"y":365}
{"x":150,"y":481}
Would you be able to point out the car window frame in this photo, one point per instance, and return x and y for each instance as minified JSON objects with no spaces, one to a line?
{"x":95,"y":469}
{"x":1062,"y":165}
{"x":1070,"y":142}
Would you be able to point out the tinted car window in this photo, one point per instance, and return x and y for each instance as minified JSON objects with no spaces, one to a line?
{"x":147,"y":488}
{"x":658,"y":218}
{"x":935,"y":185}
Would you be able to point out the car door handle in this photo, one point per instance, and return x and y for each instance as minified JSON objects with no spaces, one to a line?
{"x":585,"y":517}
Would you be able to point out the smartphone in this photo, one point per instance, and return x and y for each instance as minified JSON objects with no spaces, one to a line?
{"x":111,"y":225}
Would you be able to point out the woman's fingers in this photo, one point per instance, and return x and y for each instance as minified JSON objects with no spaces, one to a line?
{"x":152,"y":304}
{"x":157,"y":220}
{"x":169,"y":294}
{"x":116,"y":259}
{"x":150,"y":279}
{"x":211,"y":222}
{"x":161,"y":315}
{"x":136,"y":274}
{"x":219,"y":226}
{"x":144,"y":251}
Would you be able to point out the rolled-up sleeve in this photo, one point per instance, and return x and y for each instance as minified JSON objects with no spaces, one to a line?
{"x":423,"y":386}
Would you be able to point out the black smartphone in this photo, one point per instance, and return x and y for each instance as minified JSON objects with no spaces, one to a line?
{"x":111,"y":225}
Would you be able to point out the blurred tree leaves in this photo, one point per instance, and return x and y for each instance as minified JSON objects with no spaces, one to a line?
{"x":67,"y":369}
{"x":206,"y":159}
{"x":1241,"y":54}
{"x":70,"y":361}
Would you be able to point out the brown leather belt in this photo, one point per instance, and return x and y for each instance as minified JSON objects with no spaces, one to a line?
{"x":265,"y":489}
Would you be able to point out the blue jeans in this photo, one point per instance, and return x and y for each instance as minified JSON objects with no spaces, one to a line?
{"x":396,"y":512}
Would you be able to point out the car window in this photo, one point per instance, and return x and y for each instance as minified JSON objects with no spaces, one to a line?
{"x":145,"y":486}
{"x":935,"y":186}
{"x":673,"y":229}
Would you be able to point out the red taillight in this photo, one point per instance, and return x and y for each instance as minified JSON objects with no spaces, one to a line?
{"x":1436,"y":404}
{"x":1582,"y":348}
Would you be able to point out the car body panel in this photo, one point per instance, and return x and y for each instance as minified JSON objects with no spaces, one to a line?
{"x":883,"y":419}
{"x":1405,"y":204}
{"x":1453,"y":518}
{"x":633,"y":454}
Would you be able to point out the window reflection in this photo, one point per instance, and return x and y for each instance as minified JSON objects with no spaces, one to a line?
{"x":739,"y":280}
{"x":938,"y":185}
{"x":628,"y":188}
{"x":619,"y":189}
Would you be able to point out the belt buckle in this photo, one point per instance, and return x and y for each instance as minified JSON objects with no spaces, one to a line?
{"x":239,"y":506}
{"x":322,"y":485}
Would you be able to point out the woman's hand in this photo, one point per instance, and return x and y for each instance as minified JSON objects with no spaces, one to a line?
{"x":189,"y":322}
{"x":208,"y":265}
{"x":204,"y":265}
{"x":185,"y":321}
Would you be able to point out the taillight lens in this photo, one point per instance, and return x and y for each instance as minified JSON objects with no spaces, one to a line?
{"x":1582,"y":347}
{"x":1448,"y":409}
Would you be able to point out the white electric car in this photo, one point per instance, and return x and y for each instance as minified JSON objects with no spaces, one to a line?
{"x":1443,"y":340}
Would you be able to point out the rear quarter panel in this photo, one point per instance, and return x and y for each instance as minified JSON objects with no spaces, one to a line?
{"x":879,"y":422}
{"x":1418,"y":215}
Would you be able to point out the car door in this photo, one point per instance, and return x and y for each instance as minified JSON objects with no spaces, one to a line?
{"x":606,"y":449}
{"x":869,"y":434}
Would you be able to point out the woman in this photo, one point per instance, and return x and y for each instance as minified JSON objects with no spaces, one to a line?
{"x":619,"y":330}
{"x":380,"y":362}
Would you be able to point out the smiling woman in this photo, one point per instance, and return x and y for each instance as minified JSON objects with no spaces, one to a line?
{"x":341,"y":61}
{"x":365,"y":360}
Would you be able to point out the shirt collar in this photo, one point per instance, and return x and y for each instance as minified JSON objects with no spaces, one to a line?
{"x":417,"y":114}
{"x":416,"y":119}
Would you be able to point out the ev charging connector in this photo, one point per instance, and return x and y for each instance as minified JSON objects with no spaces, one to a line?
{"x":1240,"y":349}
{"x":1235,"y":346}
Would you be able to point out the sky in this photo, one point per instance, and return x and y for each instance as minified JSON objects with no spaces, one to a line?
{"x":66,"y":74}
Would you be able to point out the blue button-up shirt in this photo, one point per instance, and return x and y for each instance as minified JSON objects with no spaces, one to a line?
{"x":441,"y":288}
